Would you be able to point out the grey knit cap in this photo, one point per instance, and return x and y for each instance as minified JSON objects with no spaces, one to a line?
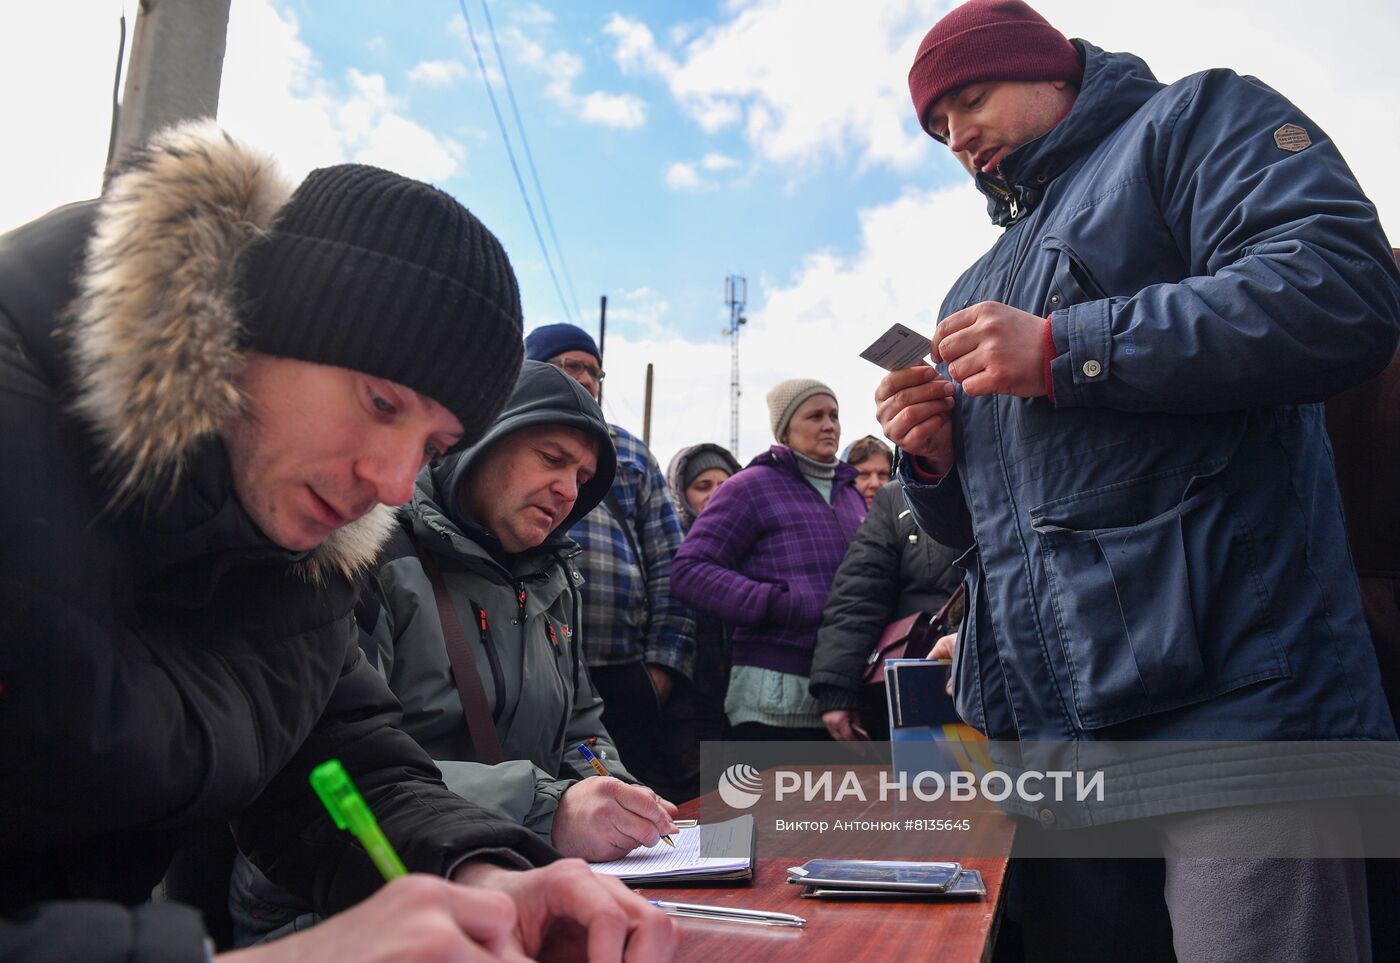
{"x":786,"y":397}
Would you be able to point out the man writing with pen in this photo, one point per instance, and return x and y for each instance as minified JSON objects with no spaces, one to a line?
{"x":212,"y":389}
{"x":487,"y":531}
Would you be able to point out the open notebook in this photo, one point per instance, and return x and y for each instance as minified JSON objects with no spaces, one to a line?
{"x":712,"y":852}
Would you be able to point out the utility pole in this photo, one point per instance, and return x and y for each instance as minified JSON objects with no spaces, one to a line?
{"x":177,"y":61}
{"x":646,"y":410}
{"x":736,"y":295}
{"x":602,"y":334}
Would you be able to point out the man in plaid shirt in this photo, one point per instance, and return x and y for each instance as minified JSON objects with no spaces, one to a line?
{"x":638,"y":640}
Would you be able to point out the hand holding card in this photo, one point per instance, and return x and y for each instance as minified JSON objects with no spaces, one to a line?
{"x":899,"y":347}
{"x":914,"y":403}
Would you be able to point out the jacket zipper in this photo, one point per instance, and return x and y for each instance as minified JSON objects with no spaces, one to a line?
{"x":489,"y":644}
{"x":554,"y":640}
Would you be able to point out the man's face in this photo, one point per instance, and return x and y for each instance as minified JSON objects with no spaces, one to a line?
{"x":983,"y":122}
{"x":582,"y":367}
{"x":319,"y":446}
{"x":526,"y":484}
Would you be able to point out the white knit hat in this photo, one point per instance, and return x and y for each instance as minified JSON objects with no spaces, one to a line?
{"x":786,"y":397}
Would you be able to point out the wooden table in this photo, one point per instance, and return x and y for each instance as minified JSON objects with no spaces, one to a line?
{"x":844,"y":930}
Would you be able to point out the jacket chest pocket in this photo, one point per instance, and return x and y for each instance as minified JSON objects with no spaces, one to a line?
{"x":1070,"y":283}
{"x":1159,"y":613}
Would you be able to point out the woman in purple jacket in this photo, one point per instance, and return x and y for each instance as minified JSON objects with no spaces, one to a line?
{"x":762,"y":557}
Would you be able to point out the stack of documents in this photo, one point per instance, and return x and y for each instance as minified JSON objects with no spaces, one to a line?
{"x":885,"y":879}
{"x":731,"y":842}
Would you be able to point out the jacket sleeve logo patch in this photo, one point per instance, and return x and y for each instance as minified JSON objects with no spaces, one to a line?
{"x":1292,"y":138}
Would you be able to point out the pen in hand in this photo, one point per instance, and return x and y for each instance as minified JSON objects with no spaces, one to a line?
{"x":602,"y":770}
{"x":349,"y":810}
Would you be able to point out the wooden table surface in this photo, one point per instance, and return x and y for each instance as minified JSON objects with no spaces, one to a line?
{"x":952,"y":930}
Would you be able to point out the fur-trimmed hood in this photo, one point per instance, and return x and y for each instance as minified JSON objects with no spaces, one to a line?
{"x":156,"y":334}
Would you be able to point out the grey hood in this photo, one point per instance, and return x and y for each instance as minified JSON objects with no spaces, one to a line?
{"x":544,"y":395}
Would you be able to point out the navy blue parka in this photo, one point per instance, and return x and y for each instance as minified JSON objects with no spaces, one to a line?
{"x":1158,"y":552}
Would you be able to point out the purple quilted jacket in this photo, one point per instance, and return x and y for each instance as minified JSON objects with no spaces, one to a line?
{"x":762,"y":555}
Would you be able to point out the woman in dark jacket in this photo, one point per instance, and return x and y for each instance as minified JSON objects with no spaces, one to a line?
{"x":762,"y":557}
{"x":891,"y":570}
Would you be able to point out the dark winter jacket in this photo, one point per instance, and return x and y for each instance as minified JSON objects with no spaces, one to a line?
{"x":519,"y":614}
{"x":163,"y":665}
{"x":762,"y":555}
{"x":891,"y":570}
{"x":1158,"y":552}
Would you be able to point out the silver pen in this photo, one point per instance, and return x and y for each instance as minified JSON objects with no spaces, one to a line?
{"x":731,"y":914}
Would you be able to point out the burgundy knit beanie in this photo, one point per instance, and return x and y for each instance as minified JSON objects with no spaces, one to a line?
{"x":988,"y":40}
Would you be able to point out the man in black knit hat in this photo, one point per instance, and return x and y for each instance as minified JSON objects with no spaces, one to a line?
{"x":212,"y":391}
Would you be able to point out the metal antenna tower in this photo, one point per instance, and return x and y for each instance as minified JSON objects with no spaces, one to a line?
{"x":736,"y":295}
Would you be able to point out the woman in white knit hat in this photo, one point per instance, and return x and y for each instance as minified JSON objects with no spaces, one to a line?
{"x":762,"y":557}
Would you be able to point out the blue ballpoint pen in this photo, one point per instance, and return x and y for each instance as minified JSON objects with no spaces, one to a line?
{"x":602,"y":770}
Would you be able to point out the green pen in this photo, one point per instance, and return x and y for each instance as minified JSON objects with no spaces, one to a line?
{"x":347,"y":807}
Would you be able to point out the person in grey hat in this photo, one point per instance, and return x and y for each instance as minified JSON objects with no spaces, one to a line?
{"x":762,"y":555}
{"x":213,"y":388}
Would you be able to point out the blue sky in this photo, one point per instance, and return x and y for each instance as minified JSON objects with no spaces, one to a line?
{"x":676,"y":143}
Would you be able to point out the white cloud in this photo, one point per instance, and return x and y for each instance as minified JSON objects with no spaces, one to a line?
{"x":813,"y":324}
{"x":718,"y":162}
{"x":641,"y":312}
{"x":623,"y":111}
{"x":682,"y":177}
{"x":685,"y":175}
{"x":532,"y":14}
{"x":376,"y":45}
{"x":438,"y":73}
{"x":274,"y":95}
{"x":802,"y":78}
{"x":562,"y":70}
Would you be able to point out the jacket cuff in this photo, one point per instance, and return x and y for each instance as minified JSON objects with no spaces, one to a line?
{"x":831,"y":697}
{"x":922,"y":474}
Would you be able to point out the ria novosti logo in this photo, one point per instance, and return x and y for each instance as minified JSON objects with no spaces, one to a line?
{"x":740,"y":786}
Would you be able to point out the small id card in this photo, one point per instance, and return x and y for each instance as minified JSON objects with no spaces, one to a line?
{"x":899,"y":347}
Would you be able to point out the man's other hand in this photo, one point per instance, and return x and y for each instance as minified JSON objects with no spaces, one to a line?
{"x":915,"y":410}
{"x":564,"y":911}
{"x":409,"y":919}
{"x":843,"y":725}
{"x":945,"y":648}
{"x":600,"y":819}
{"x":993,"y":349}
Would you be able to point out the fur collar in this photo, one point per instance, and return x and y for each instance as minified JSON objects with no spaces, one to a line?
{"x":156,"y":331}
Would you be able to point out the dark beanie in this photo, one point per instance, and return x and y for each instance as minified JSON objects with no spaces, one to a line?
{"x":369,"y":270}
{"x":551,"y":340}
{"x":705,"y":459}
{"x":988,"y":40}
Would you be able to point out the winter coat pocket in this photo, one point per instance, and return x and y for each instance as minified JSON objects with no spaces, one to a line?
{"x":1140,"y":605}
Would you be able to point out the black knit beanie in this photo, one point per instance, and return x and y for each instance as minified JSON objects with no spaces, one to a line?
{"x":369,"y":270}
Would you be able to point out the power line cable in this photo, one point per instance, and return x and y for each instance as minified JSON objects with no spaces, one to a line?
{"x":510,"y":152}
{"x":530,"y":159}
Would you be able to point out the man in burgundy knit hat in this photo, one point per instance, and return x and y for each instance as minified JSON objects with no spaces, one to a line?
{"x":1123,"y":430}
